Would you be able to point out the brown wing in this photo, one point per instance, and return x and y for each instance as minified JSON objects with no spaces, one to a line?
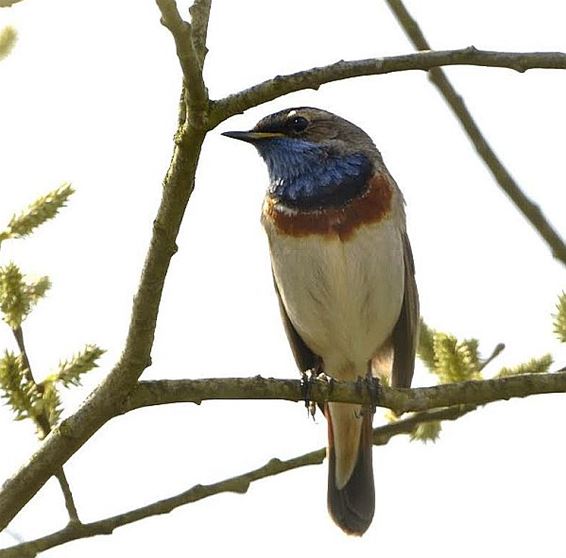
{"x":406,"y":333}
{"x":304,"y":357}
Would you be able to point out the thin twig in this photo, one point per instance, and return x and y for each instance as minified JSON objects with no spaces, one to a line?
{"x":191,"y":55}
{"x":42,"y":422}
{"x":19,"y":337}
{"x":68,"y":495}
{"x":162,"y":392}
{"x":498,"y":349}
{"x":238,"y":484}
{"x":530,"y":210}
{"x":315,"y":77}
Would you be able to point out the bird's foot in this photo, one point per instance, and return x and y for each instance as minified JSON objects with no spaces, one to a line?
{"x":372,"y":385}
{"x":308,"y":379}
{"x":322,"y":377}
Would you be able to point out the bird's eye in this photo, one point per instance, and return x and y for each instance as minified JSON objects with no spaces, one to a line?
{"x":299,"y":124}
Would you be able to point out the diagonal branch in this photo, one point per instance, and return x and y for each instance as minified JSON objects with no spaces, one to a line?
{"x":106,"y":401}
{"x":161,"y":392}
{"x":530,"y":210}
{"x":238,"y":484}
{"x":315,"y":77}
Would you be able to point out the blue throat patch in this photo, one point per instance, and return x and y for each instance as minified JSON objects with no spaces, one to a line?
{"x":306,"y":175}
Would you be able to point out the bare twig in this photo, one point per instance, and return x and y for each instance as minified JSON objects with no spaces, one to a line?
{"x":498,"y":349}
{"x":19,"y":337}
{"x":107,"y":400}
{"x":315,"y":77}
{"x":68,"y":495}
{"x":530,"y":210}
{"x":191,"y":52}
{"x":161,"y":392}
{"x":238,"y":484}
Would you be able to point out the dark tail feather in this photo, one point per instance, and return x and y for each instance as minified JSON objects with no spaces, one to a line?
{"x":352,"y":507}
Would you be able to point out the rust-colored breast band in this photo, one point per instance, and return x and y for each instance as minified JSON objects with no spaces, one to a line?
{"x":373,"y":206}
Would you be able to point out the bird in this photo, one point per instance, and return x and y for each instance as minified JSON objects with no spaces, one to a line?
{"x":344,"y":276}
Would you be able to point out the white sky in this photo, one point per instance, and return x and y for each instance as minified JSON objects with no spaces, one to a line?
{"x":90,"y":94}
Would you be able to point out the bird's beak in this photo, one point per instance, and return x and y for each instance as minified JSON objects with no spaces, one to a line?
{"x":252,"y":136}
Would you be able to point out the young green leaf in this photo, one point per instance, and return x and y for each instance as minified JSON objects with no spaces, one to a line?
{"x":37,"y":213}
{"x":455,"y":361}
{"x":427,"y":431}
{"x":425,"y":348}
{"x":560,"y":318}
{"x":51,"y":403}
{"x":539,"y":365}
{"x":21,"y":394}
{"x":17,"y":297}
{"x":70,"y":371}
{"x":451,"y":360}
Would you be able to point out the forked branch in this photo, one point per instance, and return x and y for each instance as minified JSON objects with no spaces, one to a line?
{"x":120,"y":391}
{"x":238,"y":484}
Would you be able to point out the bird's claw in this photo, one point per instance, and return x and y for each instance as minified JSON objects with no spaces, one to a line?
{"x":322,"y":377}
{"x":372,"y":385}
{"x":374,"y":388}
{"x":308,"y":379}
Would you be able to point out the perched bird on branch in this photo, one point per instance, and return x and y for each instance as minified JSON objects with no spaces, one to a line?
{"x":344,"y":276}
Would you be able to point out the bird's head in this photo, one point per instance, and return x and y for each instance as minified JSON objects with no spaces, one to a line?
{"x":313,"y":156}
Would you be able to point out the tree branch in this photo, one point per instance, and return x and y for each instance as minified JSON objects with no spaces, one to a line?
{"x":8,"y":3}
{"x":68,"y":496}
{"x":315,"y":77}
{"x":238,"y":484}
{"x":42,"y":422}
{"x":200,"y":14}
{"x":106,"y":401}
{"x":190,"y":51}
{"x":161,"y":392}
{"x":437,"y":76}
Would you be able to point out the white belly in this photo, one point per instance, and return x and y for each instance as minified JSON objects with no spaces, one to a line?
{"x":343,"y":297}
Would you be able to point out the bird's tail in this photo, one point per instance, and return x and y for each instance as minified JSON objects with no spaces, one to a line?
{"x":351,"y":497}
